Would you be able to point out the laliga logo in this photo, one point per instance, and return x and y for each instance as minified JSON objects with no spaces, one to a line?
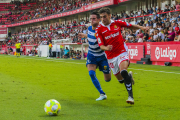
{"x":157,"y":53}
{"x":165,"y":53}
{"x":133,"y":52}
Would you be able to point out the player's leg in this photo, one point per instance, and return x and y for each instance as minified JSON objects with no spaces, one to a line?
{"x":116,"y":71}
{"x":104,"y":67}
{"x":121,"y":79}
{"x":92,"y":74}
{"x":123,"y":65}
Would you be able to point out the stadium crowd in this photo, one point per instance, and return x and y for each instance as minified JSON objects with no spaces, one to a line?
{"x":43,"y":8}
{"x":45,"y":34}
{"x":162,"y":28}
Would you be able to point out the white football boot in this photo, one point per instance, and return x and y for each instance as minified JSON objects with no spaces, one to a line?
{"x":130,"y":100}
{"x":102,"y":97}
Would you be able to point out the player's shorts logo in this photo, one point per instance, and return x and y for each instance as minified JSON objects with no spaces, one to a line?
{"x":157,"y":53}
{"x":105,"y":67}
{"x":88,"y":61}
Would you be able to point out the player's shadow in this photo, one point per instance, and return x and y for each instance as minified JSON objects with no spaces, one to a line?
{"x":128,"y":106}
{"x":47,"y":116}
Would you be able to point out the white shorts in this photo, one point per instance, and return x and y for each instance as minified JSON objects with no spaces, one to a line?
{"x":115,"y":62}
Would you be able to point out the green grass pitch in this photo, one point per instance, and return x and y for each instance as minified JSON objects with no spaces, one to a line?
{"x":26,"y":83}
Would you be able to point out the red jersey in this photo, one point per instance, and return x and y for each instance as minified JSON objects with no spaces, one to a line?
{"x":111,"y":35}
{"x":177,"y":31}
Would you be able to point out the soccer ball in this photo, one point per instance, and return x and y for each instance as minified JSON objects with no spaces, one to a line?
{"x":52,"y":107}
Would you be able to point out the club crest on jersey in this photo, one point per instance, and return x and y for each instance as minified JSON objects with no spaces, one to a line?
{"x":115,"y":26}
{"x":95,"y":34}
{"x":105,"y":67}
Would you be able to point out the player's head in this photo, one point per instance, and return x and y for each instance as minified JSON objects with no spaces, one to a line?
{"x":95,"y":18}
{"x":105,"y":15}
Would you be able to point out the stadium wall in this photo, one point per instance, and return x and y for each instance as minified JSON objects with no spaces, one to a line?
{"x":160,"y":52}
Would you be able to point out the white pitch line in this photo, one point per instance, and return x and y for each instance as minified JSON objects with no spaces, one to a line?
{"x":69,"y":62}
{"x":57,"y":60}
{"x":154,"y":71}
{"x":79,"y":63}
{"x":29,"y":58}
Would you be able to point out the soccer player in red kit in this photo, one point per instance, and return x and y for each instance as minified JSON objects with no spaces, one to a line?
{"x":109,"y":38}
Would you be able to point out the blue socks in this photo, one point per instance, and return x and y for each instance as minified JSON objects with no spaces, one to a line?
{"x":95,"y":81}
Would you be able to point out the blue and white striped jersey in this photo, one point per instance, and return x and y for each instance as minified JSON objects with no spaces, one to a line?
{"x":94,"y":48}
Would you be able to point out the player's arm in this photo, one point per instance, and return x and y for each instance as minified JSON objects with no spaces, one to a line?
{"x":106,"y":48}
{"x":82,"y":35}
{"x":100,"y":41}
{"x":139,"y":27}
{"x":128,"y":25}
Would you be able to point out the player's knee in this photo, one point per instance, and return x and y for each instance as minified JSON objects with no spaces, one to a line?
{"x":124,"y":73}
{"x":108,"y":80}
{"x":92,"y":73}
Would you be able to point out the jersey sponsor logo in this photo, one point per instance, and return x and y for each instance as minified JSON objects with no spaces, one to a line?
{"x":104,"y":31}
{"x":90,"y":33}
{"x":112,"y":35}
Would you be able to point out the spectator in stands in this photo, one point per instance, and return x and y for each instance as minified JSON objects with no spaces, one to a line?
{"x":9,"y":50}
{"x":167,"y":23}
{"x":140,"y":36}
{"x":171,"y":35}
{"x":177,"y":6}
{"x":146,"y":36}
{"x":155,"y":36}
{"x":75,"y":39}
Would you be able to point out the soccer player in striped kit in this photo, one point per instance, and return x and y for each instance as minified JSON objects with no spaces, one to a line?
{"x":96,"y":57}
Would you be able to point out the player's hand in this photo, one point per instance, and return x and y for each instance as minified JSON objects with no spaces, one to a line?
{"x":82,"y":35}
{"x":109,"y":47}
{"x":145,"y":28}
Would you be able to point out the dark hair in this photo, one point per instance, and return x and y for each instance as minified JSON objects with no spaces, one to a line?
{"x":95,"y":13}
{"x":105,"y":10}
